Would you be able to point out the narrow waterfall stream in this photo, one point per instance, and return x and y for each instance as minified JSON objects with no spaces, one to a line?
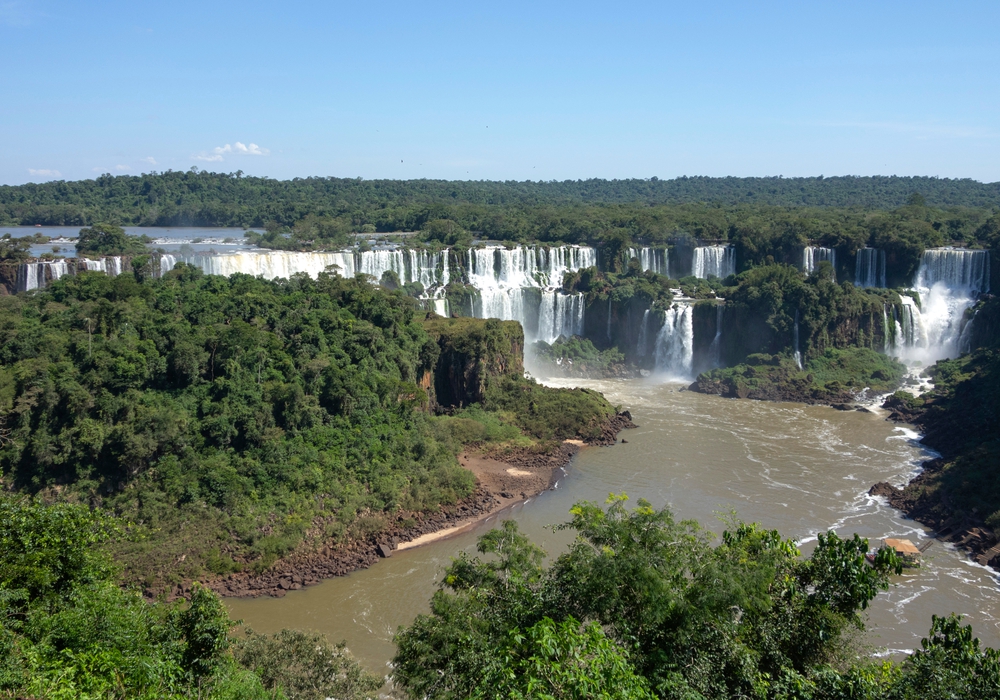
{"x":795,"y":332}
{"x":869,"y":268}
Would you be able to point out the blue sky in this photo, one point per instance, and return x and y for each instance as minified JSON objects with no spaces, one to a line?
{"x":539,"y":90}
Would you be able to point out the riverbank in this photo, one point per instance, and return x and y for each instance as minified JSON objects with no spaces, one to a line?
{"x":922,"y":500}
{"x":505,"y":476}
{"x":957,"y":493}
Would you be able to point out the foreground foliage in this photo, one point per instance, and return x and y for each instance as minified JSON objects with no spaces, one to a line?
{"x":668,"y":615}
{"x":67,"y":630}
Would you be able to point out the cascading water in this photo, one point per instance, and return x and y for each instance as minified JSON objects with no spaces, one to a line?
{"x":278,"y":263}
{"x":609,"y":318}
{"x":651,"y":259}
{"x":715,"y":349}
{"x":912,"y":333}
{"x":675,"y":342}
{"x":967,"y":270}
{"x":38,"y":275}
{"x":869,"y":268}
{"x":428,"y":268}
{"x":888,"y":330}
{"x":714,"y":261}
{"x":795,"y":333}
{"x":560,"y":315}
{"x":948,"y":283}
{"x":167,"y":263}
{"x":640,"y":350}
{"x":506,"y":280}
{"x":812,"y":256}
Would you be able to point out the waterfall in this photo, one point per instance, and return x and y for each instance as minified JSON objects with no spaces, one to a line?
{"x":651,"y":259}
{"x":609,"y":317}
{"x":643,"y":335}
{"x":911,"y":332}
{"x":714,"y":261}
{"x":966,"y":270}
{"x":502,"y":276}
{"x":795,"y":333}
{"x":439,"y":293}
{"x":948,"y":281}
{"x":715,"y":349}
{"x":111,"y":265}
{"x":38,"y":275}
{"x":888,"y":331}
{"x":428,"y":268}
{"x":377,"y":262}
{"x":167,"y":263}
{"x":279,"y":263}
{"x":675,"y":342}
{"x":27,"y":276}
{"x":560,"y":314}
{"x":869,"y":268}
{"x":812,"y":256}
{"x":965,"y":340}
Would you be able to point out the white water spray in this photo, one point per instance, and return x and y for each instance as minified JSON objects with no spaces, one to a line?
{"x":714,"y":261}
{"x":675,"y":342}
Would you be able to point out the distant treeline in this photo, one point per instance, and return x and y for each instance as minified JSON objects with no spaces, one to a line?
{"x":198,"y":198}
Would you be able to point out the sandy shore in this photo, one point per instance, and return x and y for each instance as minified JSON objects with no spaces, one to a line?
{"x":504,"y":478}
{"x":507,"y":484}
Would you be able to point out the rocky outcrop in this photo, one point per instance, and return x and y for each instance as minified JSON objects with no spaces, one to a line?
{"x":472,"y":352}
{"x":923,"y":501}
{"x":613,"y":425}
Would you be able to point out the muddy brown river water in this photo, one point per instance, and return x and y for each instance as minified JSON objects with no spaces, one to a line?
{"x":800,"y":469}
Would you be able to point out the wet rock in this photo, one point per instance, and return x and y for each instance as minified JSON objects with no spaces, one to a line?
{"x":883,"y":489}
{"x":384,"y":551}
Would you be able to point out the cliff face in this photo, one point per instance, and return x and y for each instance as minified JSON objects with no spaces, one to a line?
{"x":619,"y":324}
{"x":986,"y":323}
{"x":473,"y":351}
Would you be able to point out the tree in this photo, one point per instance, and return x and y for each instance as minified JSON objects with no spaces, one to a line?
{"x":14,"y":249}
{"x":747,"y":618}
{"x":108,"y":239}
{"x":305,"y":666}
{"x":561,"y":661}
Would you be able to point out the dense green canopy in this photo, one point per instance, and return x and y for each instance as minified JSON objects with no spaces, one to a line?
{"x":234,"y":418}
{"x":668,"y":615}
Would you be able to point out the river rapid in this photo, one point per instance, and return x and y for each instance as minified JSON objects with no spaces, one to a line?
{"x":799,"y":469}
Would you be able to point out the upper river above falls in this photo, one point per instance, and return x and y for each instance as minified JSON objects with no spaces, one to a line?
{"x":799,"y":469}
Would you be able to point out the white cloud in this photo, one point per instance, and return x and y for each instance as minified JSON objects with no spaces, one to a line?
{"x":122,"y":168}
{"x":150,"y":159}
{"x":44,"y":172}
{"x":236,"y":148}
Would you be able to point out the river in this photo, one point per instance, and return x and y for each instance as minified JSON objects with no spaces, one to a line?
{"x":799,"y":469}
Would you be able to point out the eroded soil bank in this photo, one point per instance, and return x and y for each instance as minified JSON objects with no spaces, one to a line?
{"x":504,"y":477}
